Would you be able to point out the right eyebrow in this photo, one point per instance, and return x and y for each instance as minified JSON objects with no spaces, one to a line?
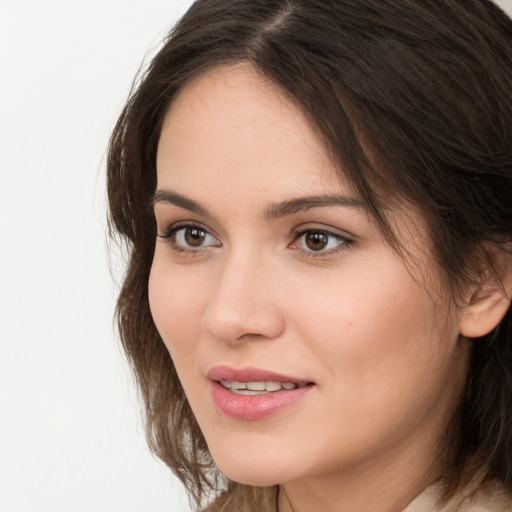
{"x":168,"y":196}
{"x":301,"y":204}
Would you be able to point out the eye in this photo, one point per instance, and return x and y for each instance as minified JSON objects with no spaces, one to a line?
{"x":319,"y":241}
{"x":193,"y":236}
{"x":190,"y":237}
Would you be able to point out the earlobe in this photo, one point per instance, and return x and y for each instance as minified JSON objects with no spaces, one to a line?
{"x":485,"y":308}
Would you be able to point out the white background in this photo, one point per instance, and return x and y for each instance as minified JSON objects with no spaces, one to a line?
{"x":71,"y":438}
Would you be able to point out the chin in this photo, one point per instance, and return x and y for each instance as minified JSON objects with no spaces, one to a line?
{"x":252,"y":469}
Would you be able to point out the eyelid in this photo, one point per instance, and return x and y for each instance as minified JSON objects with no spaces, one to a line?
{"x":309,"y":227}
{"x":345,"y":239}
{"x":181,"y":224}
{"x":174,"y":228}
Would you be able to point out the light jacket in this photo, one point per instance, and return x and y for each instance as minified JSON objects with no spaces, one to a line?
{"x":489,"y":498}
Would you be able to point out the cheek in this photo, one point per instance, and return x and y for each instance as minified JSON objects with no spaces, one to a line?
{"x":388,"y":358}
{"x":362,"y":310}
{"x":374,"y":329}
{"x":176,"y":307}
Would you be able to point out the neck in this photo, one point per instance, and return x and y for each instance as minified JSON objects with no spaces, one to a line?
{"x":378,"y":487}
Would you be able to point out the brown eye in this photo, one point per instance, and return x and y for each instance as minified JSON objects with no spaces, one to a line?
{"x":319,"y":241}
{"x":194,"y":237}
{"x":191,"y":237}
{"x":316,"y":240}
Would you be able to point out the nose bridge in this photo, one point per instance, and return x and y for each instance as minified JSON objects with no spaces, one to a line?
{"x":242,"y":303}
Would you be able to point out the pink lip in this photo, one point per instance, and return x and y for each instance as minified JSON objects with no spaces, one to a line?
{"x":253,"y":407}
{"x":250,"y":374}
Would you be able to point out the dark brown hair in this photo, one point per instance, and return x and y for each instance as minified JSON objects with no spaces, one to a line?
{"x":413,"y":99}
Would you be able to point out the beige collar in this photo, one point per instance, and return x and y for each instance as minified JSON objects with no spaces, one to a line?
{"x":489,"y":499}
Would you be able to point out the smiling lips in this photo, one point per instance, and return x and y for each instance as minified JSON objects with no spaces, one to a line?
{"x":251,"y":394}
{"x":257,"y":388}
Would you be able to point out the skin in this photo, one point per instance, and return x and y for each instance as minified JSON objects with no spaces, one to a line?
{"x":376,"y":334}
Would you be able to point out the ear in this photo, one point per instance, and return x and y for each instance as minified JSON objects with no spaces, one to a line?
{"x":487,"y":302}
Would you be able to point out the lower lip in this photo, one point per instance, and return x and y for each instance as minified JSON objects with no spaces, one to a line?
{"x":255,"y":407}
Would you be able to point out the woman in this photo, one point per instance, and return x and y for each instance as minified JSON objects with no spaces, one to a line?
{"x":316,"y":200}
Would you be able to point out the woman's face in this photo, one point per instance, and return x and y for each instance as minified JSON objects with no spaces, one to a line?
{"x":305,"y":345}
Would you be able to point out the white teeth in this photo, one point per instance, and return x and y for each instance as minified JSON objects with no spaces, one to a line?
{"x":272,"y":386}
{"x":256,"y":388}
{"x":247,"y":392}
{"x":233,"y":384}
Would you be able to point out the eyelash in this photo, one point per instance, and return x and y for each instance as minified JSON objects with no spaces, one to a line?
{"x":169,"y":236}
{"x":343,"y":242}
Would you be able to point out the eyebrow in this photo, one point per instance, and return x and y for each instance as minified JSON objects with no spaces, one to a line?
{"x":302,"y":204}
{"x":274,"y":211}
{"x":167,"y":196}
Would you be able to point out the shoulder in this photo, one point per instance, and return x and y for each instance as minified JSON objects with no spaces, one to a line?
{"x":492,"y":498}
{"x":488,"y":498}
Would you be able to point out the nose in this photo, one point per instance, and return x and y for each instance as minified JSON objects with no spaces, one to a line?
{"x":243,"y":303}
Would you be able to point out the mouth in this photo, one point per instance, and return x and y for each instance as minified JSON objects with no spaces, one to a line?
{"x":252,"y":394}
{"x":259,"y":387}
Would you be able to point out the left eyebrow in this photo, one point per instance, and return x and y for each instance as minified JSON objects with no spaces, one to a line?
{"x":168,"y":196}
{"x":301,"y":204}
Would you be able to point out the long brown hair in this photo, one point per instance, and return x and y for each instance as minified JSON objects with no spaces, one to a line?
{"x":426,"y":85}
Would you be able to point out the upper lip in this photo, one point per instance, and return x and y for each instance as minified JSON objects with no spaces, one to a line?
{"x":250,"y":374}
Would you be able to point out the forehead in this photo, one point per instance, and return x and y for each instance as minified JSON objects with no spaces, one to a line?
{"x":234,"y":125}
